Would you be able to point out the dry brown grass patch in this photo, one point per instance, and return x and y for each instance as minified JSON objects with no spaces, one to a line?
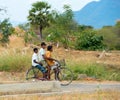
{"x":100,"y":95}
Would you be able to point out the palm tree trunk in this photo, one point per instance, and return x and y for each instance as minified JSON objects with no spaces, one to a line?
{"x":40,"y":29}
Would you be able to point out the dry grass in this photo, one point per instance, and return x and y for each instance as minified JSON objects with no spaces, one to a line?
{"x":16,"y":42}
{"x":111,"y":58}
{"x":72,"y":57}
{"x":100,"y":95}
{"x":8,"y":77}
{"x":19,"y":57}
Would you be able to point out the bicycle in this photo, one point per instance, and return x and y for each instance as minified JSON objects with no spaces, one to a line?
{"x":64,"y":76}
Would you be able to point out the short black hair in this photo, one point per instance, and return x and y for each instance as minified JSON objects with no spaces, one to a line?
{"x":43,"y":43}
{"x":35,"y":49}
{"x":49,"y":47}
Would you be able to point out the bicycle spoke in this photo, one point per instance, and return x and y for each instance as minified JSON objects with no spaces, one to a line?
{"x":33,"y":73}
{"x":65,"y":76}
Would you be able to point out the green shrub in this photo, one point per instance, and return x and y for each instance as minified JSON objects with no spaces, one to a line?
{"x":6,"y":30}
{"x":91,"y":70}
{"x":89,"y":40}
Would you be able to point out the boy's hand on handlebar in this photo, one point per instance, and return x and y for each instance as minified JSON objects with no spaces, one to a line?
{"x":40,"y":63}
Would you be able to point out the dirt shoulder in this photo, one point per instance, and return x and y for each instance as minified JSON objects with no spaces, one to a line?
{"x":12,"y":77}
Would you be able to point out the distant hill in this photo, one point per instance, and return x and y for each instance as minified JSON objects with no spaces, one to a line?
{"x":99,"y":14}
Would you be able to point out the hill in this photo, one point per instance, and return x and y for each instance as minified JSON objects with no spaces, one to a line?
{"x":99,"y":14}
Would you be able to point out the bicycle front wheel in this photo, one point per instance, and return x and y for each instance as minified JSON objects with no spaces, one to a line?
{"x":65,"y":76}
{"x":33,"y":73}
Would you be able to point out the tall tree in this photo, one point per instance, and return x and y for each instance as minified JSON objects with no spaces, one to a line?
{"x":40,"y":15}
{"x":6,"y":30}
{"x":2,"y":12}
{"x":63,"y":27}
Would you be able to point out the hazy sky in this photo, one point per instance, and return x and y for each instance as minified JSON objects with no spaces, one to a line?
{"x":17,"y":10}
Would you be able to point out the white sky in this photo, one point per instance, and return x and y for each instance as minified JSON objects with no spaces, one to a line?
{"x":17,"y":10}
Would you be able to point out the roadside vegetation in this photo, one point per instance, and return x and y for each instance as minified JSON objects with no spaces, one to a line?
{"x":61,"y":30}
{"x":99,"y":95}
{"x":84,"y":67}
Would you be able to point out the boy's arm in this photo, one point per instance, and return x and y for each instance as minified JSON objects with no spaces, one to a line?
{"x":49,"y":58}
{"x":44,"y":56}
{"x":37,"y":62}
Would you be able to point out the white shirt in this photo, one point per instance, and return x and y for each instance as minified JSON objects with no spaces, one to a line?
{"x":34,"y":57}
{"x":41,"y":53}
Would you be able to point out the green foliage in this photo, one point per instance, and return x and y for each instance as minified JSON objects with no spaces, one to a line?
{"x":6,"y":30}
{"x":89,"y":40}
{"x":95,"y":71}
{"x":62,"y":27}
{"x":83,"y":28}
{"x":15,"y":62}
{"x":40,"y":15}
{"x":24,"y":27}
{"x":111,"y":36}
{"x":117,"y":31}
{"x":29,"y":36}
{"x":54,"y":36}
{"x":91,"y":70}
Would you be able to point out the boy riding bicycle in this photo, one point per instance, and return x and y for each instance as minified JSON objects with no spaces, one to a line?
{"x":52,"y":64}
{"x":36,"y":63}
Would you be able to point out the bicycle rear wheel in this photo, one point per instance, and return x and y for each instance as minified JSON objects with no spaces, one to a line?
{"x":65,"y":76}
{"x":34,"y":73}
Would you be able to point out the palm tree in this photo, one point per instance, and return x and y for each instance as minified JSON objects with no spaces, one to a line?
{"x":40,"y":15}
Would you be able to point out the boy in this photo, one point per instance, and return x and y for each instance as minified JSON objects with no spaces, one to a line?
{"x":42,"y":52}
{"x":37,"y":64}
{"x":50,"y":61}
{"x":42,"y":57}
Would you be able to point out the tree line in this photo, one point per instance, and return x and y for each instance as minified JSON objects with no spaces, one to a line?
{"x":62,"y":29}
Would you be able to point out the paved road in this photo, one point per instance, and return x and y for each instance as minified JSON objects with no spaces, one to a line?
{"x":82,"y":87}
{"x":91,"y":87}
{"x":30,"y":87}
